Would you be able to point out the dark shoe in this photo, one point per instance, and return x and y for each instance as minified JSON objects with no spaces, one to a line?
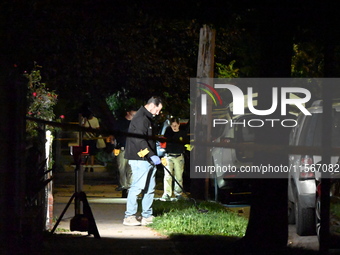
{"x":179,"y":197}
{"x":124,"y":193}
{"x":119,"y":188}
{"x":86,"y":169}
{"x":91,"y":170}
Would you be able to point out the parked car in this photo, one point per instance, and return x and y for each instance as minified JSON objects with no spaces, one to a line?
{"x":229,"y":188}
{"x":302,"y":182}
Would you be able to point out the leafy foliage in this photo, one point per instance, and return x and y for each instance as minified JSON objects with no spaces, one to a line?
{"x":119,"y":103}
{"x":40,"y":100}
{"x":100,"y":48}
{"x":227,"y":71}
{"x":110,"y":51}
{"x":307,"y":61}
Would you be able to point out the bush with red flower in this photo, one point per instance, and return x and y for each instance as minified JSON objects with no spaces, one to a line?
{"x":40,"y":100}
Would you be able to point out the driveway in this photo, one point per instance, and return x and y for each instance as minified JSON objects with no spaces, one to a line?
{"x":308,"y":242}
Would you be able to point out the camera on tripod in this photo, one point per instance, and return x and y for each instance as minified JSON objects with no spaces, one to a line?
{"x":83,"y":220}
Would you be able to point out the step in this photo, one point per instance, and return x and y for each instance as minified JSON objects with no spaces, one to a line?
{"x":96,"y":168}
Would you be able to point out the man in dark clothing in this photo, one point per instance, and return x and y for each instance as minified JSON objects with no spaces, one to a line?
{"x":141,"y":153}
{"x":123,"y":166}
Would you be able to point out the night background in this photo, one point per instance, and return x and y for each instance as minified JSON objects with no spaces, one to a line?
{"x":111,"y":53}
{"x":94,"y":50}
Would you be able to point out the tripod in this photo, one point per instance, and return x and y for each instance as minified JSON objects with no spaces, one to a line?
{"x":81,"y":221}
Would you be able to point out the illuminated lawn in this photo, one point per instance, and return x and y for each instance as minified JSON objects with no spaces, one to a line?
{"x":182,"y":217}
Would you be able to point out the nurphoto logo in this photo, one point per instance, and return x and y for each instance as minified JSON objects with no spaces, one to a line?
{"x":234,"y":119}
{"x":239,"y":99}
{"x":208,"y":89}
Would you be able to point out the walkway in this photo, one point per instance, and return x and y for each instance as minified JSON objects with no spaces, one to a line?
{"x":108,"y":209}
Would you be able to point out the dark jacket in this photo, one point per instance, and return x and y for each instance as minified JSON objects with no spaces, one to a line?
{"x":173,"y":145}
{"x":140,"y":124}
{"x":123,"y":126}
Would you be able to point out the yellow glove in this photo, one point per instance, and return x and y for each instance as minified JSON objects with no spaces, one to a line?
{"x":116,"y":152}
{"x":189,"y":147}
{"x":142,"y":153}
{"x":164,"y":162}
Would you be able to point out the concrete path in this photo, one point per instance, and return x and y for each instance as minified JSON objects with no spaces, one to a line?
{"x":108,"y":210}
{"x":108,"y":214}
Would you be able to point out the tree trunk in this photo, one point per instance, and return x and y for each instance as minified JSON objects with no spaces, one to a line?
{"x":330,"y":33}
{"x":268,"y":223}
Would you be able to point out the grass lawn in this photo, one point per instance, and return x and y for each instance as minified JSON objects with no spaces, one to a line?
{"x":206,"y":218}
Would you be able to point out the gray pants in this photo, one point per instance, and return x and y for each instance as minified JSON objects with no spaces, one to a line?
{"x":125,"y":173}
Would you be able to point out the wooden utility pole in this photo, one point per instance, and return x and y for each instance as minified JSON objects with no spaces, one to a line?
{"x":205,"y":69}
{"x":206,"y":51}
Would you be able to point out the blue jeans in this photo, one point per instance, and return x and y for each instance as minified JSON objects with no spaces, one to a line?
{"x":142,"y":173}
